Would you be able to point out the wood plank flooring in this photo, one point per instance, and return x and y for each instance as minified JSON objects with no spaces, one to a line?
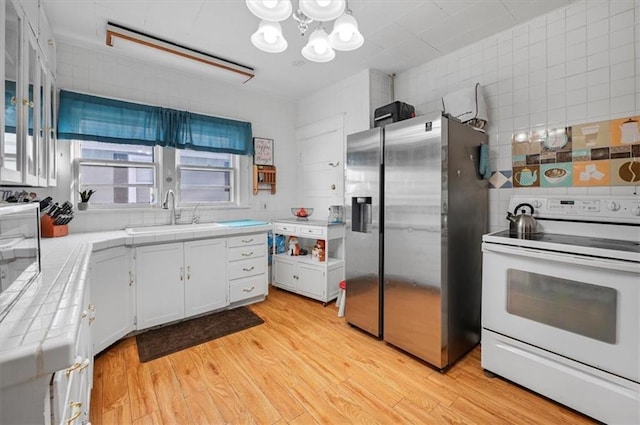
{"x":305,"y":365}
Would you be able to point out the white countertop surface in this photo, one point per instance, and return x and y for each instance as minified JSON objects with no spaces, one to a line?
{"x":37,"y":335}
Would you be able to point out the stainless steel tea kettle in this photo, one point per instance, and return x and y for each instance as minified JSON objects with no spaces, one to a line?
{"x":523,"y":223}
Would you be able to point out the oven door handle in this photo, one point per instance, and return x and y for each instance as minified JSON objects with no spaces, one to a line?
{"x":601,"y":263}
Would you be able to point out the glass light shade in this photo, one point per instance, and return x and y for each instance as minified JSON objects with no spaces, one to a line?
{"x":318,"y":49}
{"x":269,"y":37}
{"x":322,"y":10}
{"x":270,"y":10}
{"x":345,"y":35}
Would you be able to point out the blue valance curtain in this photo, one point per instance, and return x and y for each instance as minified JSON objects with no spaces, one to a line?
{"x":85,"y":117}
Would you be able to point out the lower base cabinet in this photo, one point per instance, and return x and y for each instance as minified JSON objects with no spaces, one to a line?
{"x":303,"y":274}
{"x":70,"y":389}
{"x":179,"y":280}
{"x":113,"y":294}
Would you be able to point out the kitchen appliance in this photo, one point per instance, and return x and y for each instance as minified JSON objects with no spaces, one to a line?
{"x":336,"y":214}
{"x":561,"y":308}
{"x":19,"y":248}
{"x":416,"y":212}
{"x":522,"y":224}
{"x":393,"y":112}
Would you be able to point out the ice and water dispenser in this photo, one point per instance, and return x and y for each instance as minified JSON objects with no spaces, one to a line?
{"x":361,"y":214}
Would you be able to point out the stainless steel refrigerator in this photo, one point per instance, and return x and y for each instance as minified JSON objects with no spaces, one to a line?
{"x":417,"y":208}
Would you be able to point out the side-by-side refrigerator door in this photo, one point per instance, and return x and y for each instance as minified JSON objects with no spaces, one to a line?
{"x":413,"y":238}
{"x":362,"y":256}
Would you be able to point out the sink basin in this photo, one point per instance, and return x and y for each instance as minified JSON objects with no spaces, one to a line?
{"x":168,"y":228}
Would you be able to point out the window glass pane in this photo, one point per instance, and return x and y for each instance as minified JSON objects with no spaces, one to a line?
{"x":205,"y":185}
{"x":204,"y":159}
{"x":118,"y":185}
{"x":116,"y":152}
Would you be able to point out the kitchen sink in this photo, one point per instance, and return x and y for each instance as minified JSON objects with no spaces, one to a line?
{"x":172,"y":228}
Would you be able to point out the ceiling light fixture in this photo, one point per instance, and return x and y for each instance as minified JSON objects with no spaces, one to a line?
{"x":320,"y":47}
{"x":144,"y":41}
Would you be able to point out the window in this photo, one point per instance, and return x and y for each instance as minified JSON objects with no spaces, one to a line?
{"x":206,"y":177}
{"x":131,"y":175}
{"x":120,"y":174}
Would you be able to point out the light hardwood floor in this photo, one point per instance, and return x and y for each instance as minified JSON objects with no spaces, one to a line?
{"x":305,"y":365}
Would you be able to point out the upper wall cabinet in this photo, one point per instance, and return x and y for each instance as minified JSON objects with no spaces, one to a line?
{"x":27,"y":144}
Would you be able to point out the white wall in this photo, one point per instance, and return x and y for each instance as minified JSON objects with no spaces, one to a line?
{"x":575,"y":65}
{"x":349,"y":96}
{"x":84,"y":70}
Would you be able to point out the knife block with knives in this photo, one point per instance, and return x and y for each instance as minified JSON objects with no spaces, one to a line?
{"x":49,"y":229}
{"x":54,"y":218}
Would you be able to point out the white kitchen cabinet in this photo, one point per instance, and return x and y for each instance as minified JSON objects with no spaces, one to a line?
{"x":206,"y":278}
{"x":247,"y":265}
{"x":159,"y":272}
{"x":303,"y":274}
{"x":113,"y":294}
{"x":178,"y":280}
{"x":70,"y":389}
{"x":26,"y":113}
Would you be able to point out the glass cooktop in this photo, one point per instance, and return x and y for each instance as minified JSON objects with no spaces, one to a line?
{"x":573,"y":240}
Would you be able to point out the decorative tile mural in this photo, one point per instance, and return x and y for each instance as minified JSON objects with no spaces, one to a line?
{"x":605,"y":153}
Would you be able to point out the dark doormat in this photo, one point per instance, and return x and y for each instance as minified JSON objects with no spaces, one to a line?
{"x":160,"y":342}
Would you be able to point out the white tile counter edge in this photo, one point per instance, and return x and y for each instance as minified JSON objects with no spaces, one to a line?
{"x":37,"y":336}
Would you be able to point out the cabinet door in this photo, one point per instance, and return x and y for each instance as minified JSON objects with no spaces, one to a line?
{"x":311,"y":280}
{"x":206,"y":286}
{"x":31,"y":135}
{"x":50,"y":132}
{"x":10,"y":165}
{"x":159,"y":284}
{"x":112,"y":292}
{"x":284,"y":273}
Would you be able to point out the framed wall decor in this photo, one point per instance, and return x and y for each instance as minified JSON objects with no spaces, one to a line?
{"x":263,"y":151}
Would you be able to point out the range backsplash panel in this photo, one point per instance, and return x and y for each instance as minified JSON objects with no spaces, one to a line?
{"x":604,"y":153}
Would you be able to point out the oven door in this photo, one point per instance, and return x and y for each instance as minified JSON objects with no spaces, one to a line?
{"x":583,"y":308}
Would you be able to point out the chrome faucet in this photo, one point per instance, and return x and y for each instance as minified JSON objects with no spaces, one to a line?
{"x":196,"y":218}
{"x":165,"y":205}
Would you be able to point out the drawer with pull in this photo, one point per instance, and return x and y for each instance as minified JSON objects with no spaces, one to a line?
{"x":246,"y":240}
{"x":285,"y":228}
{"x":246,"y":252}
{"x":243,"y":289}
{"x":314,"y":231}
{"x":246,"y":268}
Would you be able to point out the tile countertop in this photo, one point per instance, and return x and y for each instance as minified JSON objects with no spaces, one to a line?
{"x":37,"y":335}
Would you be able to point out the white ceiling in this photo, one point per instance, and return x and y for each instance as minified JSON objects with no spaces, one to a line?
{"x":399,"y":34}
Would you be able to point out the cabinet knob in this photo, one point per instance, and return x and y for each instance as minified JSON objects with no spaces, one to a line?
{"x":248,"y":269}
{"x":247,"y":254}
{"x":188,"y":272}
{"x":249,"y":290}
{"x":247,"y":240}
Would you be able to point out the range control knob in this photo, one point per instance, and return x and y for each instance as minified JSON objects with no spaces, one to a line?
{"x":536,"y":203}
{"x":636,"y":211}
{"x":613,"y":206}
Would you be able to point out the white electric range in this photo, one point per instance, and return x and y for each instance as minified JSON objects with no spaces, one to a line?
{"x":561,"y":307}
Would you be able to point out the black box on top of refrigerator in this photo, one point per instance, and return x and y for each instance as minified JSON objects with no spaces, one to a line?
{"x":393,"y":112}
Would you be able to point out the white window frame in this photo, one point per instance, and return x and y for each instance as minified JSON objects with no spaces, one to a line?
{"x":234,"y":182}
{"x":156,"y":165}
